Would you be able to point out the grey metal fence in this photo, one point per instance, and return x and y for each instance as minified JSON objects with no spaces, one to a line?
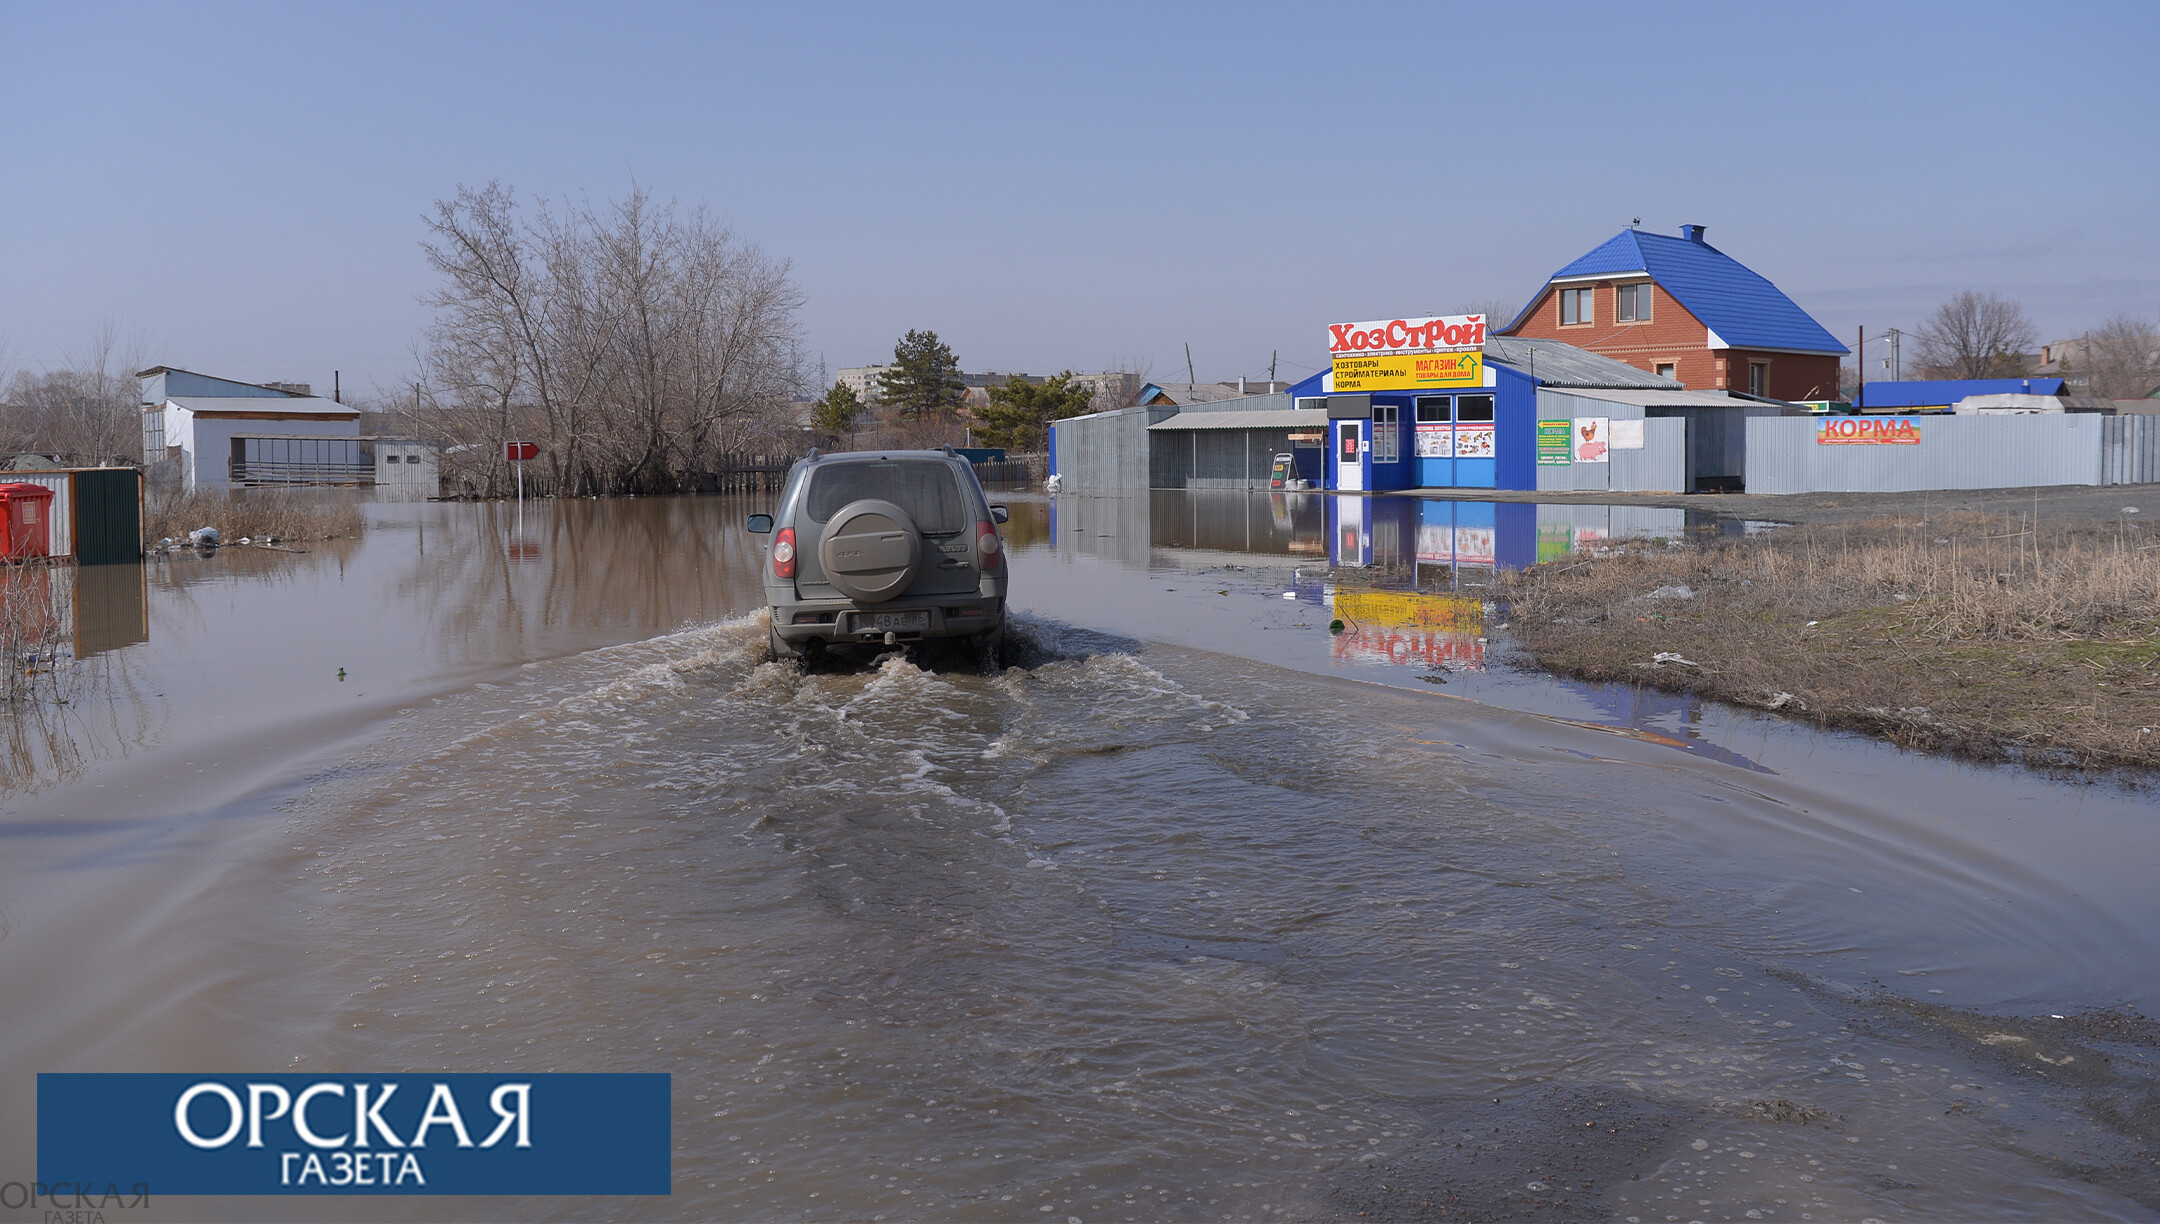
{"x":1106,"y":452}
{"x":2130,"y":449}
{"x":1658,"y":466}
{"x":1794,"y":455}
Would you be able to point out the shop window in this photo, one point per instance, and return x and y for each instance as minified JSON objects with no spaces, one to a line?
{"x":1434,"y":409}
{"x":1386,"y":434}
{"x":1473,"y":409}
{"x":1758,"y":377}
{"x":1575,"y":306}
{"x":1634,"y":304}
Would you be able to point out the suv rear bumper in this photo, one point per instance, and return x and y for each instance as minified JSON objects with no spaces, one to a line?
{"x":838,"y":621}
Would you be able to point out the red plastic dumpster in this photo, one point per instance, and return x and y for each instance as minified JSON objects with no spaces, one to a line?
{"x":25,"y":521}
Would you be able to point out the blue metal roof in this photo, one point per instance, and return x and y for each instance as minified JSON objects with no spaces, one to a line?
{"x":1744,"y":309}
{"x":1938,"y":392}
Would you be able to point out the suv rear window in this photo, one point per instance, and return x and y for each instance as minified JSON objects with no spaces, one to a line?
{"x":924,"y":488}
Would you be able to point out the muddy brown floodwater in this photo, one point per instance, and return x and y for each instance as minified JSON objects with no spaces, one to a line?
{"x":1195,"y":911}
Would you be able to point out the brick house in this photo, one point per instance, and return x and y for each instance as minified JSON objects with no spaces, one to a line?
{"x":1684,"y":309}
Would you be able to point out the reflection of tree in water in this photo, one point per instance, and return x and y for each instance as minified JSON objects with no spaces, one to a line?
{"x":67,"y":699}
{"x":488,"y":571}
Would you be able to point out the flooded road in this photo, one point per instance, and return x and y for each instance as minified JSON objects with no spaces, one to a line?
{"x":1197,"y":911}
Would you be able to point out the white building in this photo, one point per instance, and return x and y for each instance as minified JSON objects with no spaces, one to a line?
{"x":203,"y":423}
{"x":406,"y":469}
{"x":863,"y":381}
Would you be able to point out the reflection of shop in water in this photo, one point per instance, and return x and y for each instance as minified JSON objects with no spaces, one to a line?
{"x":1404,"y":533}
{"x":1405,"y":627}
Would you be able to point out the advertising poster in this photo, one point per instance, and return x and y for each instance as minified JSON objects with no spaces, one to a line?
{"x":1553,"y":442}
{"x":1868,"y":431}
{"x":1627,"y":434}
{"x":1592,"y":439}
{"x":1435,"y":441}
{"x":1554,"y":541}
{"x":1474,"y":545}
{"x":1409,"y":371}
{"x":1436,"y":543}
{"x":1473,"y":441}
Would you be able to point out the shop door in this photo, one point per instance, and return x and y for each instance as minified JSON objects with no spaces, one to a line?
{"x":1476,"y":458}
{"x":1350,"y":456}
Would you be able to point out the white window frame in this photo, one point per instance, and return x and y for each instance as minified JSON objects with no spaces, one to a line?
{"x":1386,"y":433}
{"x":1584,"y":299}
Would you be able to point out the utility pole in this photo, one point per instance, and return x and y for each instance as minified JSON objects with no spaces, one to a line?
{"x":1271,"y":356}
{"x":1859,"y":365}
{"x":1190,"y":378}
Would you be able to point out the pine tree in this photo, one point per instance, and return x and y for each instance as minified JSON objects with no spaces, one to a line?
{"x":925,"y":380}
{"x":1020,"y":412}
{"x":838,"y":411}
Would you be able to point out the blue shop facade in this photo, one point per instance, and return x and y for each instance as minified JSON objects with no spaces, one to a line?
{"x":1481,"y":437}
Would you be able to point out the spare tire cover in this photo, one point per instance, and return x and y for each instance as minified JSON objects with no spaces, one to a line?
{"x":870,"y":550}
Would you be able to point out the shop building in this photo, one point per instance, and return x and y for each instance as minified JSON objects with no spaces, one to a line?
{"x":1459,"y":418}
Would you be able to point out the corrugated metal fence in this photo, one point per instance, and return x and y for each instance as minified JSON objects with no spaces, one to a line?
{"x":2130,"y":449}
{"x":1784,"y":454}
{"x":1106,"y":452}
{"x":1658,"y":466}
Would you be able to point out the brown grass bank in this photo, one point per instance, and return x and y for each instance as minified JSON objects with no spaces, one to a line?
{"x":1986,"y":636}
{"x":282,"y":514}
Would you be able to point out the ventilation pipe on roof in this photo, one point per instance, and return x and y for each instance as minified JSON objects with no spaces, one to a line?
{"x":1693,"y":233}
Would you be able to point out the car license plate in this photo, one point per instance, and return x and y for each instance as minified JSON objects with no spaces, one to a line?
{"x":899,"y":622}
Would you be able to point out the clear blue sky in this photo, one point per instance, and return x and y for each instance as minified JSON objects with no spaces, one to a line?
{"x":239,"y":189}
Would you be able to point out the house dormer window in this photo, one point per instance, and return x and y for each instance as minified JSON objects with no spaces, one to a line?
{"x":1634,"y":304}
{"x":1575,"y":307}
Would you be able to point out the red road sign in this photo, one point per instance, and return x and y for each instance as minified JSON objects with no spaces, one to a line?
{"x":518,"y":452}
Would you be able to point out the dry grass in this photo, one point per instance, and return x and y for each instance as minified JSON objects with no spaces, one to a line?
{"x":283,"y":514}
{"x":1995,"y":638}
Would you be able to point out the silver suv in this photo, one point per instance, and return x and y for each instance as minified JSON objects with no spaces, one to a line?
{"x":883,"y":547}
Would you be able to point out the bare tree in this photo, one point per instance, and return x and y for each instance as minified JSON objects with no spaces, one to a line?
{"x":1975,"y":335}
{"x":1122,"y":383}
{"x":2122,"y":358}
{"x":637,"y":345}
{"x":88,"y":412}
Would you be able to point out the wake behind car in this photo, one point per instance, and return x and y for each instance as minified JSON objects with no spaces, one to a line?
{"x":883,"y":547}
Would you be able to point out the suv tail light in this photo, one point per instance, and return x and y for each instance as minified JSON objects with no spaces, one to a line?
{"x":988,"y":545}
{"x":783,"y":553}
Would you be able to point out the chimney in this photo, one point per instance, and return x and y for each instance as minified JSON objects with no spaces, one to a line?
{"x":1241,"y":384}
{"x":1693,"y":233}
